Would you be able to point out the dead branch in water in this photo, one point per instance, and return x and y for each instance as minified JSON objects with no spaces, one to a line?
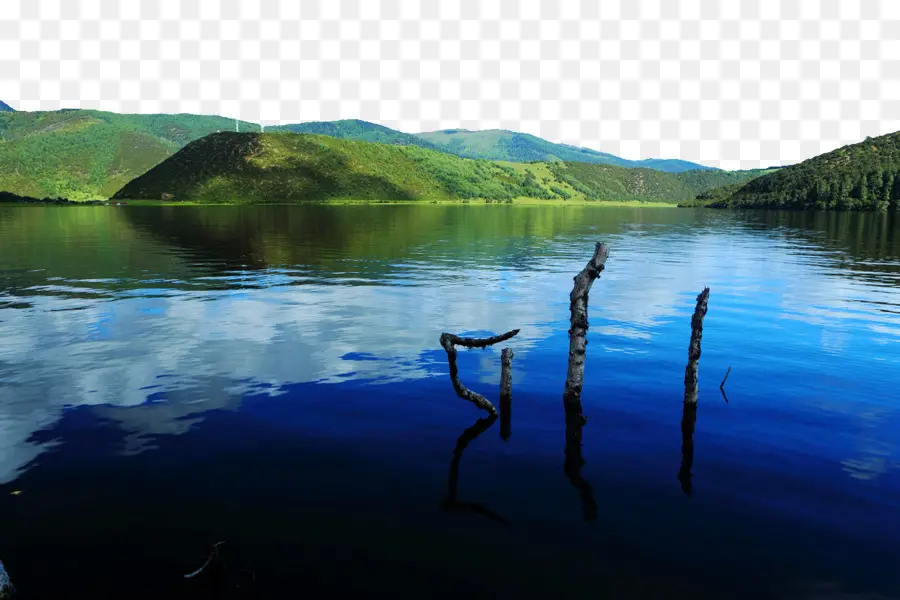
{"x":448,"y":342}
{"x":477,"y":342}
{"x":578,"y":303}
{"x":692,"y":368}
{"x":722,"y":385}
{"x":688,"y":420}
{"x":506,"y":357}
{"x":451,"y":503}
{"x":575,"y":420}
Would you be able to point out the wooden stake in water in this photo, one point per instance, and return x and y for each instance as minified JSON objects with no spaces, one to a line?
{"x":691,"y":382}
{"x":578,"y":303}
{"x":506,"y":357}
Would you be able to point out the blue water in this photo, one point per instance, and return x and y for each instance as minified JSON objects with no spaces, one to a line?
{"x":272,"y":377}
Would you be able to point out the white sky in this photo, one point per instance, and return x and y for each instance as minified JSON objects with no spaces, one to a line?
{"x":725,"y":83}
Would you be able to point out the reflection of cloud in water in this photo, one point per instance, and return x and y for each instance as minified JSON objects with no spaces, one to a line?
{"x":119,"y":352}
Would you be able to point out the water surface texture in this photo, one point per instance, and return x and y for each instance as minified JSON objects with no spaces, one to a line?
{"x":171,"y":377}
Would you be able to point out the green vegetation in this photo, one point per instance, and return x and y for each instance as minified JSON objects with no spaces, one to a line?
{"x":354,"y":129}
{"x":863,"y":176}
{"x":604,"y":182}
{"x":286,"y":168}
{"x":498,"y":144}
{"x":88,"y":154}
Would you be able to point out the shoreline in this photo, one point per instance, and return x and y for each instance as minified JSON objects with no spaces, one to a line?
{"x":350,"y":202}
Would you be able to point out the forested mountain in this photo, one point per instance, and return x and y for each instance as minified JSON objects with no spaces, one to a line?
{"x":4,"y":107}
{"x":290,"y":167}
{"x":89,"y":154}
{"x":863,"y":176}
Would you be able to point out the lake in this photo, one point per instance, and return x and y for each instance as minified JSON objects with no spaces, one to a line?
{"x":272,"y":377}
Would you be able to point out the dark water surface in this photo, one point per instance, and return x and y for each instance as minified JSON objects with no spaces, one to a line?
{"x":272,"y":377}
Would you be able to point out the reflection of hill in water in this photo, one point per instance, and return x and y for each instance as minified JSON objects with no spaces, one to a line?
{"x":261,"y":236}
{"x":869,"y":241}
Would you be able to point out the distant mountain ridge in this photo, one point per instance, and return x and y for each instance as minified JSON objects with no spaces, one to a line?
{"x":489,"y":144}
{"x":4,"y":107}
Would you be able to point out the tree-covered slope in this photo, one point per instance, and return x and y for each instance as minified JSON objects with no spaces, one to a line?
{"x":88,"y":154}
{"x":605,"y":182}
{"x":4,"y":107}
{"x":355,"y":129}
{"x":863,"y":176}
{"x":289,"y":167}
{"x":498,"y":144}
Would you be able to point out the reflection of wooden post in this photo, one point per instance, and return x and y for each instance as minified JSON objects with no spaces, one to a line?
{"x":506,"y":357}
{"x":688,"y":420}
{"x":690,"y":372}
{"x":448,"y":342}
{"x":578,"y":303}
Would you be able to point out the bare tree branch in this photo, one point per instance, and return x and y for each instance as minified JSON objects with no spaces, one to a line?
{"x":448,"y":341}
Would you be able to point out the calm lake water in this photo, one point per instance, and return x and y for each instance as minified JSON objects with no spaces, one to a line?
{"x":171,"y":377}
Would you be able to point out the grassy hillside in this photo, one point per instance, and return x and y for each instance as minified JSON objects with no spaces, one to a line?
{"x":498,"y":144}
{"x":4,"y":107}
{"x":88,"y":154}
{"x":286,"y":167}
{"x":863,"y":176}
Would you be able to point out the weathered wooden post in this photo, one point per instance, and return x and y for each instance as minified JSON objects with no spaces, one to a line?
{"x":448,"y":342}
{"x":506,"y":356}
{"x":691,"y":385}
{"x":575,"y":420}
{"x":578,"y":303}
{"x":692,"y":368}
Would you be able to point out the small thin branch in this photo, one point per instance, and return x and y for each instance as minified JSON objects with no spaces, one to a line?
{"x":724,"y":379}
{"x":213,"y":554}
{"x":722,"y":385}
{"x":448,"y":341}
{"x":506,"y":357}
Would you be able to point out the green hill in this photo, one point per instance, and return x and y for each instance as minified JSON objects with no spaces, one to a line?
{"x":863,"y":176}
{"x":355,"y":129}
{"x":88,"y":154}
{"x":4,"y":107}
{"x":499,"y":144}
{"x":288,"y":167}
